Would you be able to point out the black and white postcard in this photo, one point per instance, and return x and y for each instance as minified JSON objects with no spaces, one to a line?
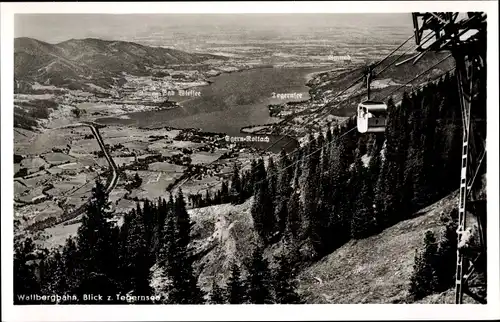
{"x":255,"y":161}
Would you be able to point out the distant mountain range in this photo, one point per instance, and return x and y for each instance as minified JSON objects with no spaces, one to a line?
{"x":75,"y":62}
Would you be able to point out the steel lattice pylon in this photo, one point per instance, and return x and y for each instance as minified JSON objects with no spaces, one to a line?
{"x":469,"y":53}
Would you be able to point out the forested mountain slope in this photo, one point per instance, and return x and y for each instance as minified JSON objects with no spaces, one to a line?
{"x":75,"y":62}
{"x":376,"y":269}
{"x":345,"y":210}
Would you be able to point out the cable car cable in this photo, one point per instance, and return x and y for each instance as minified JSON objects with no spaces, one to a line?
{"x":317,"y":111}
{"x":404,"y":53}
{"x":419,"y":75}
{"x":343,"y":91}
{"x":308,"y":155}
{"x":373,"y":66}
{"x":286,"y":120}
{"x":423,"y":85}
{"x":340,"y":124}
{"x":471,"y":182}
{"x":285,"y":135}
{"x":392,"y":52}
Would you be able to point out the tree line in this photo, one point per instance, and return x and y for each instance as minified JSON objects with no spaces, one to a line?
{"x":236,"y":190}
{"x":353,"y":186}
{"x":261,"y":285}
{"x":434,"y":266}
{"x":339,"y":186}
{"x":343,"y":185}
{"x":114,"y":263}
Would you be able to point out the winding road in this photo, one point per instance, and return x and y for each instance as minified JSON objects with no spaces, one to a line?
{"x":114,"y":169}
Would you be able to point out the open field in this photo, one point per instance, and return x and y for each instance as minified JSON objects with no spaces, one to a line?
{"x":376,"y":269}
{"x":57,"y":168}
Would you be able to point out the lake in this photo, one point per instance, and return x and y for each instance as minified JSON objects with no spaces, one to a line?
{"x":230,"y":102}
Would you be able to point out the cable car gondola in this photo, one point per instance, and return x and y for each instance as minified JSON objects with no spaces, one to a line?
{"x":372,"y":117}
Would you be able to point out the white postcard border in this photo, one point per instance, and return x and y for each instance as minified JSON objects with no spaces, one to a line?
{"x":247,"y":312}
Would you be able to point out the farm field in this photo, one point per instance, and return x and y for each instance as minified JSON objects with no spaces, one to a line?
{"x":56,"y":169}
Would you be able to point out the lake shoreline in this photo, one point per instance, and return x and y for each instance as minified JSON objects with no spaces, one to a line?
{"x":261,"y":102}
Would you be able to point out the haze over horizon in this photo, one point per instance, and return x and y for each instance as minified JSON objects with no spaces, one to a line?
{"x":197,"y":31}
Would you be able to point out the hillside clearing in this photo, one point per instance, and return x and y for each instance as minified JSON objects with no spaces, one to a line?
{"x":372,"y":270}
{"x":221,"y":235}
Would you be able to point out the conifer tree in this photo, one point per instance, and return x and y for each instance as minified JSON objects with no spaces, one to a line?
{"x":281,"y":215}
{"x":311,"y":161}
{"x":224,"y":192}
{"x":414,"y":170}
{"x":248,"y":184}
{"x":418,"y":178}
{"x":159,"y":229}
{"x":235,"y":292}
{"x":182,"y":219}
{"x":260,"y":171}
{"x":423,"y":280}
{"x":71,"y":258}
{"x":259,"y":279}
{"x":293,"y":222}
{"x":283,"y":191}
{"x":216,"y":295}
{"x":392,"y":166}
{"x":236,"y":187}
{"x":263,"y":212}
{"x":430,"y":157}
{"x":148,"y":220}
{"x":340,"y":219}
{"x":272,"y":178}
{"x":122,"y":276}
{"x":329,"y":135}
{"x":381,"y":216}
{"x":138,"y":259}
{"x":440,"y":147}
{"x":169,"y":250}
{"x":447,"y":253}
{"x":53,"y":279}
{"x":252,"y":175}
{"x":312,"y":223}
{"x":363,"y":221}
{"x":285,"y":283}
{"x":374,"y":164}
{"x":25,"y":281}
{"x":183,"y":288}
{"x":168,"y":233}
{"x":374,"y":168}
{"x":325,"y":200}
{"x":402,"y":146}
{"x":320,"y":141}
{"x":284,"y":178}
{"x":208,"y":199}
{"x":97,"y":242}
{"x":297,"y":173}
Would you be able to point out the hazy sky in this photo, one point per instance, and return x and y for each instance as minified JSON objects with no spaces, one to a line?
{"x":55,"y":28}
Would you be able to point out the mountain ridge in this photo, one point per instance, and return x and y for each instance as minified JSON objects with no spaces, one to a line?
{"x":74,"y":62}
